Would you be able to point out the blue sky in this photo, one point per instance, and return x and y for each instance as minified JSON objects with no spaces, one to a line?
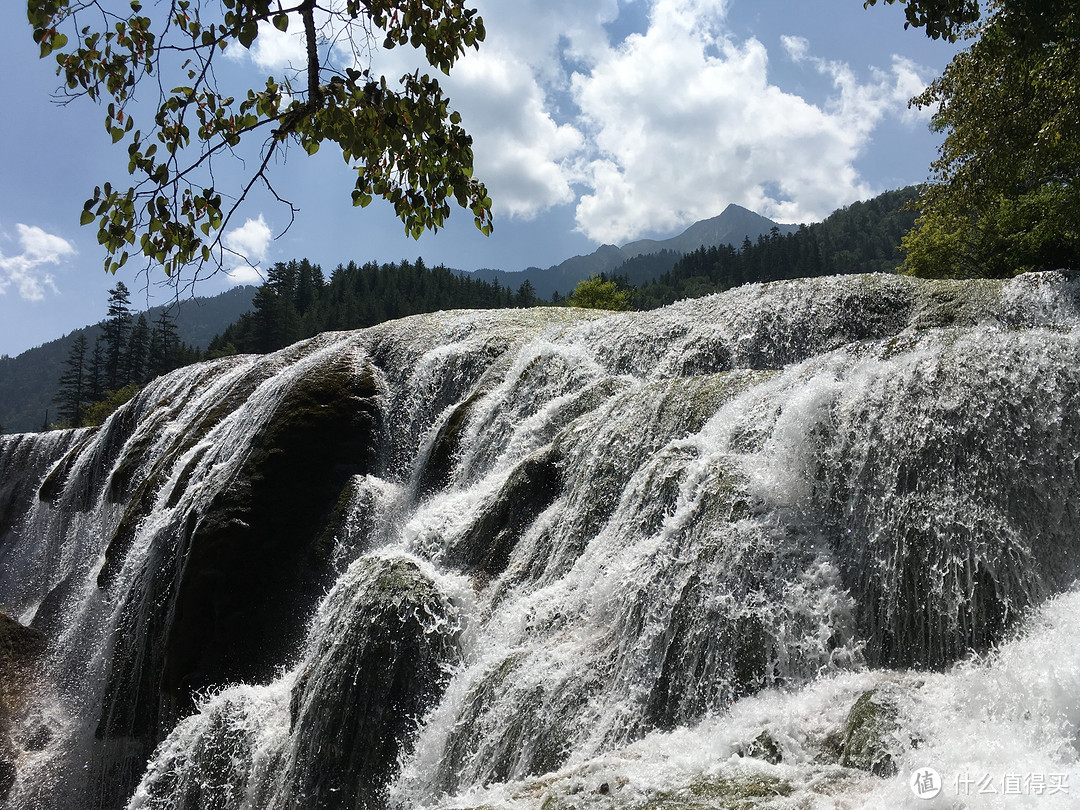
{"x":594,"y":121}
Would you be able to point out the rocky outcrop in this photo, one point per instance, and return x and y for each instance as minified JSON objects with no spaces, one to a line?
{"x":233,"y":579}
{"x":19,"y":647}
{"x":364,"y":688}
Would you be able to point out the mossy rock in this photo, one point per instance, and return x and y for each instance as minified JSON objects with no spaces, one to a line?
{"x":366,"y":684}
{"x":729,"y":792}
{"x":765,"y":748}
{"x":485,"y":548}
{"x":337,"y":521}
{"x":463,"y":742}
{"x":19,"y":647}
{"x":952,"y":302}
{"x":256,"y":551}
{"x":54,"y":482}
{"x":870,"y":735}
{"x":234,"y":581}
{"x":436,"y":468}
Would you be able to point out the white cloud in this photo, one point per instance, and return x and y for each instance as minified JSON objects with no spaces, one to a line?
{"x":909,"y":81}
{"x":796,"y":47}
{"x":519,"y":149}
{"x":250,"y":245}
{"x":274,"y":49}
{"x":684,"y":120}
{"x":24,"y":270}
{"x":513,"y":96}
{"x":653,"y":132}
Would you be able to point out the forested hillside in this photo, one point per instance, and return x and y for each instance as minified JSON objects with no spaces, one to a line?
{"x":28,"y":382}
{"x":861,"y":238}
{"x":297,"y":301}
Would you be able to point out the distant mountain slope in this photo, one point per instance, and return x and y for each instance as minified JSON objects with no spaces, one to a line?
{"x":729,"y":228}
{"x":863,"y":237}
{"x":28,"y":382}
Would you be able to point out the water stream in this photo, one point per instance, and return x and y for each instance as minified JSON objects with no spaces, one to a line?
{"x":555,"y":558}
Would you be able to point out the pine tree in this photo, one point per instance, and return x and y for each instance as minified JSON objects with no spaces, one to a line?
{"x":72,"y":393}
{"x":526,"y":295}
{"x":164,"y":345}
{"x":95,"y":382}
{"x":138,"y":345}
{"x":116,"y":326}
{"x":276,"y":321}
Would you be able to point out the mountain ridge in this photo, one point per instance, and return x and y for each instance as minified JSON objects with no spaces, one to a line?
{"x":29,"y":380}
{"x":731,"y":226}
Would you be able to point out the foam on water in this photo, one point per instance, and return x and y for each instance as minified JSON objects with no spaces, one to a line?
{"x":626,"y":547}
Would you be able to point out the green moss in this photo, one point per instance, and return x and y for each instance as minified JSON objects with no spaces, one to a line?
{"x":742,"y":792}
{"x":97,"y":413}
{"x":764,"y":747}
{"x":831,"y":748}
{"x":355,"y":705}
{"x":869,"y":735}
{"x":954,"y":303}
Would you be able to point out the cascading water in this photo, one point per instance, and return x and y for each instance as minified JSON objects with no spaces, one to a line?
{"x":784,"y":546}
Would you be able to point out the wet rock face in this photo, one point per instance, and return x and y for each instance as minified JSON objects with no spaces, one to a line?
{"x":364,"y":688}
{"x":485,"y":548}
{"x":255,"y":566}
{"x":24,"y":460}
{"x":252,"y":569}
{"x":19,"y":646}
{"x":870,"y":735}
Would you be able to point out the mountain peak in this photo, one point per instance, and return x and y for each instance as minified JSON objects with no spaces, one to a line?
{"x":730,"y":227}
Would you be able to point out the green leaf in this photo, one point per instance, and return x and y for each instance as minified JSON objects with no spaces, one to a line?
{"x":281,"y":22}
{"x":247,"y":34}
{"x":86,"y":218}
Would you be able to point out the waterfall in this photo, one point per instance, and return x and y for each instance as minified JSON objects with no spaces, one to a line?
{"x":566,"y":558}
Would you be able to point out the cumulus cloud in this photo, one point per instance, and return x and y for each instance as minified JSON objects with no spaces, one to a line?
{"x":249,"y":245}
{"x":519,"y":148}
{"x":797,"y":47}
{"x":274,"y":49}
{"x":513,"y":96}
{"x":24,"y":269}
{"x":656,"y":129}
{"x":684,"y":121}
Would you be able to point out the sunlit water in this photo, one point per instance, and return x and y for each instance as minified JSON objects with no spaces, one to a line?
{"x":622,"y":547}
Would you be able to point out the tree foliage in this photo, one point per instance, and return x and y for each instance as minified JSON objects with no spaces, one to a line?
{"x":596,"y":292}
{"x":115,"y":331}
{"x":863,"y":237}
{"x":1004,"y":197}
{"x":72,"y":395}
{"x":296,"y":301}
{"x":942,"y":19}
{"x":127,"y":353}
{"x":402,"y":139}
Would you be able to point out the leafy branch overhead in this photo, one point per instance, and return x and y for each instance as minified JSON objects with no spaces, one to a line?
{"x":405,"y":143}
{"x":942,"y":19}
{"x":1003,"y":197}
